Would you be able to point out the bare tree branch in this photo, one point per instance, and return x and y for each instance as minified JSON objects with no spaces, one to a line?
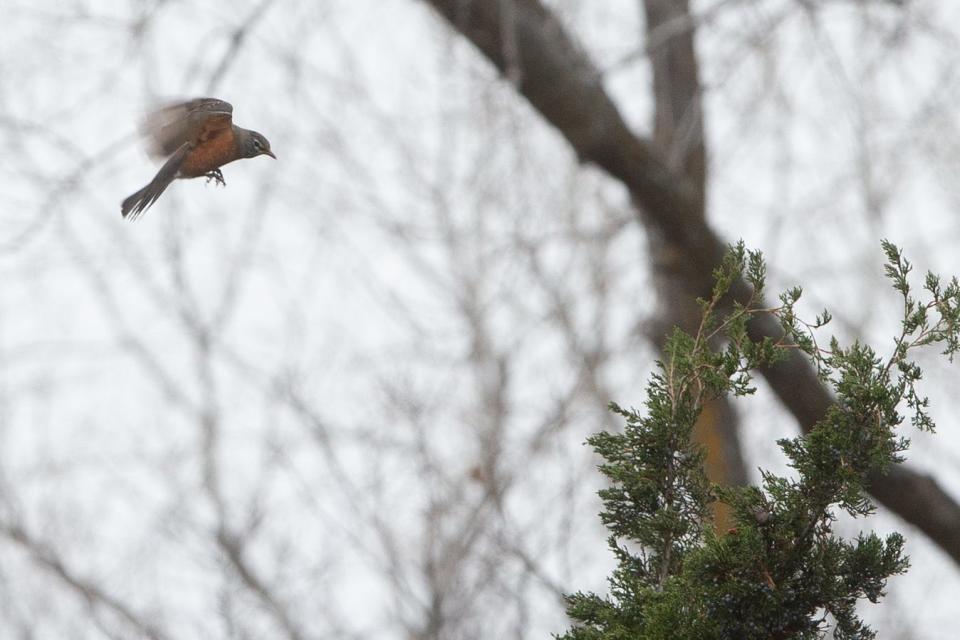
{"x":561,"y":82}
{"x":678,"y":135}
{"x":94,"y":595}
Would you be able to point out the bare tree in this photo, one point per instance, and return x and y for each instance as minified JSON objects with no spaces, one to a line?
{"x":667,"y":179}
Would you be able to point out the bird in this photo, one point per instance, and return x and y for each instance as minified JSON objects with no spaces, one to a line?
{"x":197,"y":137}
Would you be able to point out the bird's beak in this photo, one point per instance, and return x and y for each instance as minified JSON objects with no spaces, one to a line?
{"x":269,"y":153}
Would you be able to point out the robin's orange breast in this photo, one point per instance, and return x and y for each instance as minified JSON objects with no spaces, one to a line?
{"x":210,"y":154}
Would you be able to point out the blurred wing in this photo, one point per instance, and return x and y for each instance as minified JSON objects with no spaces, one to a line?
{"x":169,"y":127}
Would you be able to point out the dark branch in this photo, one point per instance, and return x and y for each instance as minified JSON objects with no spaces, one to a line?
{"x":561,"y":82}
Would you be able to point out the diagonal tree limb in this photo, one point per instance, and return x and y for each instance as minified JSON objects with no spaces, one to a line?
{"x":96,"y":598}
{"x":560,"y":81}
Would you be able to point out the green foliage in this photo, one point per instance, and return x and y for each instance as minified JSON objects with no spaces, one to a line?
{"x":780,"y":572}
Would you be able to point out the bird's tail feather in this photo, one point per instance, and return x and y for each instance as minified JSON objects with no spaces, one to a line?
{"x":137,"y":203}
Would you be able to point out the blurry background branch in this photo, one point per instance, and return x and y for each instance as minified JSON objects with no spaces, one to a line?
{"x":666,"y":178}
{"x":96,"y":597}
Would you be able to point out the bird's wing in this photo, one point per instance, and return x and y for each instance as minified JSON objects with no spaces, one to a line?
{"x":197,"y":120}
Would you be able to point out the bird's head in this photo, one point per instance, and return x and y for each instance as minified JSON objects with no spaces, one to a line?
{"x":257,"y":145}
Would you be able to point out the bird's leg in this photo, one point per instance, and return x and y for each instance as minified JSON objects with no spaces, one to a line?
{"x":216,"y":176}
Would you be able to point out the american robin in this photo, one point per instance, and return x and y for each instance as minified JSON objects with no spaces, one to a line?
{"x":199,"y":137}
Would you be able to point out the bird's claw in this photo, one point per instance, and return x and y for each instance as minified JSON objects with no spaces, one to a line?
{"x":216,"y":176}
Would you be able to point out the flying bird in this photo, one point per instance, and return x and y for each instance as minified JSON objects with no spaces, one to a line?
{"x":197,"y":137}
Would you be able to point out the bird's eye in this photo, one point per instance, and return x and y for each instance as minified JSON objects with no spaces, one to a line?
{"x":256,"y":144}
